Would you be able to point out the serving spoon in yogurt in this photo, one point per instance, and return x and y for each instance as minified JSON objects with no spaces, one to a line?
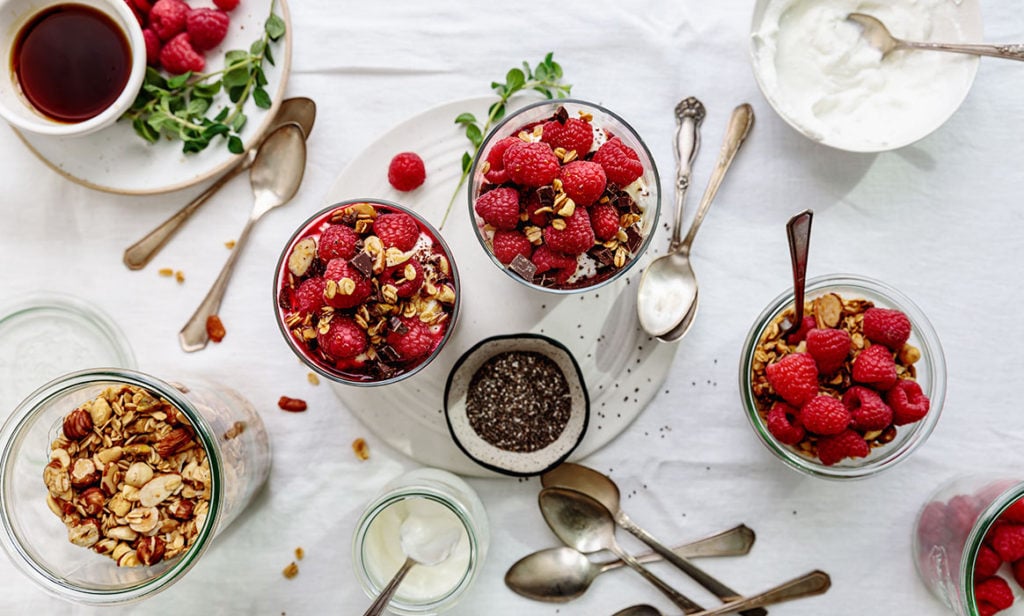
{"x":878,"y":36}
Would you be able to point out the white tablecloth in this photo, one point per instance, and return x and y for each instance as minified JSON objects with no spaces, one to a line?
{"x":941,"y":220}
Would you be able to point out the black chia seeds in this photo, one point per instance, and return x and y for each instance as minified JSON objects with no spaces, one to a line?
{"x":519,"y":401}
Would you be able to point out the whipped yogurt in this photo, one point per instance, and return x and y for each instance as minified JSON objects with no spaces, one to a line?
{"x":826,"y":80}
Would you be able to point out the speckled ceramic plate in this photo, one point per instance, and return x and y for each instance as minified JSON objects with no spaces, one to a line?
{"x":116,"y":160}
{"x":623,"y":367}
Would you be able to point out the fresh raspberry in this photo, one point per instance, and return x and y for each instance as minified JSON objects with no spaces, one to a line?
{"x":807,"y":324}
{"x":226,"y":5}
{"x":407,"y":171}
{"x":908,"y":402}
{"x":207,"y":28}
{"x":986,"y":609}
{"x":577,"y":236}
{"x":531,"y":204}
{"x":412,"y":340}
{"x":1018,"y":572}
{"x":875,"y":366}
{"x":398,"y":276}
{"x":931,"y":525}
{"x":1014,"y":513}
{"x":337,"y":271}
{"x":994,"y":591}
{"x":507,"y":244}
{"x":343,"y":339}
{"x":824,"y":415}
{"x":140,"y":16}
{"x":499,"y":208}
{"x":168,"y":18}
{"x":794,"y":377}
{"x":531,"y":164}
{"x":986,"y":563}
{"x":620,"y":162}
{"x":547,"y":259}
{"x":867,"y":409}
{"x":152,"y":47}
{"x":605,"y":220}
{"x":337,"y":241}
{"x":846,"y":444}
{"x":309,"y":296}
{"x":574,"y":135}
{"x":888,"y":327}
{"x":961,"y":513}
{"x":784,"y":424}
{"x":496,"y":172}
{"x":1008,"y":542}
{"x":398,"y":230}
{"x":144,"y":6}
{"x":178,"y":56}
{"x":829,"y":348}
{"x":583,"y":181}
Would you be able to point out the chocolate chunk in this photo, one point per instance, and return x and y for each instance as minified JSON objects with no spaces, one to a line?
{"x":561,"y":116}
{"x":388,"y":353}
{"x":633,"y":239}
{"x":396,"y":326}
{"x":524,"y":267}
{"x":603,"y":256}
{"x":284,"y":298}
{"x":364,"y":263}
{"x":546,"y":196}
{"x":316,"y":269}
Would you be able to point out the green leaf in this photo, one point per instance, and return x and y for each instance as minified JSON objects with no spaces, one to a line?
{"x":236,"y":77}
{"x":515,"y":79}
{"x":220,"y":117}
{"x":465,"y":118}
{"x":235,"y":145}
{"x":261,"y":98}
{"x":258,"y":47}
{"x":268,"y":56}
{"x":261,"y":77}
{"x":179,"y":80}
{"x":238,"y":122}
{"x":215,"y":129}
{"x":275,"y":27}
{"x":235,"y":93}
{"x":145,"y":131}
{"x":467,"y":160}
{"x":235,"y":57}
{"x":206,"y":90}
{"x":197,"y":107}
{"x":474,"y":135}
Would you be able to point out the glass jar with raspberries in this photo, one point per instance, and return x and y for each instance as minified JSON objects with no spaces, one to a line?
{"x":855,"y":390}
{"x":564,"y":195}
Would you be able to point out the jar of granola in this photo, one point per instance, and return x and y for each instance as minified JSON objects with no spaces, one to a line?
{"x":113,"y":483}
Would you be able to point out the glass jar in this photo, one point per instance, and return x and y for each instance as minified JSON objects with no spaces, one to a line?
{"x":377,"y":552}
{"x":950,"y":530}
{"x":225,"y":425}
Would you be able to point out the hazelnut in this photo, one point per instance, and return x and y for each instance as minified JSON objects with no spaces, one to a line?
{"x":120,"y":550}
{"x":59,"y":506}
{"x":57,"y":479}
{"x":182,"y":509}
{"x":84,"y":533}
{"x":119,"y":505}
{"x":99,"y":411}
{"x":84,"y":473}
{"x":78,"y":424}
{"x":128,"y":559}
{"x":111,"y":477}
{"x":177,"y":440}
{"x":61,"y":456}
{"x":92,"y":501}
{"x":150,"y":550}
{"x":138,"y":474}
{"x":105,"y":546}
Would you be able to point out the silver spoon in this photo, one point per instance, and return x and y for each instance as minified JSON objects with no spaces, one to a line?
{"x":275,"y":176}
{"x":300,"y":110}
{"x":807,"y":585}
{"x":436,"y":551}
{"x":586,"y":525}
{"x":798,"y":233}
{"x":878,"y":36}
{"x":563,"y":574}
{"x":602,"y":489}
{"x":657,"y":302}
{"x":675,"y":279}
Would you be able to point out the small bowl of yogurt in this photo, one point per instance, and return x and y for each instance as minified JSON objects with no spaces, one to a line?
{"x":832,"y":86}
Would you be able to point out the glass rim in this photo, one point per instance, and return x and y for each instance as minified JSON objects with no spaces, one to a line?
{"x":986,"y":519}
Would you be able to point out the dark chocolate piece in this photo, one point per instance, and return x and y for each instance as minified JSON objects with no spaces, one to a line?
{"x":561,"y":116}
{"x":604,"y":256}
{"x":397,"y":326}
{"x":546,"y":196}
{"x":633,"y":239}
{"x":388,"y":353}
{"x":523,"y":267}
{"x":364,"y":263}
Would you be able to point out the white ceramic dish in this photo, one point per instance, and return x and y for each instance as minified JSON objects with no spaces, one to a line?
{"x":117,"y":160}
{"x":623,"y":367}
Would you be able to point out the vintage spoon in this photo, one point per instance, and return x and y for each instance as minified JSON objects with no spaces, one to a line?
{"x":878,"y":36}
{"x":585,"y":524}
{"x":602,"y":489}
{"x":807,"y":585}
{"x":798,"y":232}
{"x":676,"y":279}
{"x":657,"y":302}
{"x":563,"y":574}
{"x":275,"y":177}
{"x":300,"y":110}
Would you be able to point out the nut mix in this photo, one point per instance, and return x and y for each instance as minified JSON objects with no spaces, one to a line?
{"x":129,"y":478}
{"x":842,"y":383}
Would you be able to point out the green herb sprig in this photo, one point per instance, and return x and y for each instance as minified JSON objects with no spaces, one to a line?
{"x":546,"y":79}
{"x":179,"y":106}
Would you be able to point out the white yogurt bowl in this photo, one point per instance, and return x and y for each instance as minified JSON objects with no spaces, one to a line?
{"x":834,"y":88}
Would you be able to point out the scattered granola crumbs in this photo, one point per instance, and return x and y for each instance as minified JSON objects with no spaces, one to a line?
{"x":179,"y":276}
{"x":215,"y":328}
{"x":290,"y":571}
{"x":165,"y":272}
{"x":299,"y":553}
{"x":230,"y":244}
{"x":361,"y":448}
{"x":313,"y":378}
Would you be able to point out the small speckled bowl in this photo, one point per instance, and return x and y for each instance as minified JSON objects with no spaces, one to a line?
{"x":501,"y":460}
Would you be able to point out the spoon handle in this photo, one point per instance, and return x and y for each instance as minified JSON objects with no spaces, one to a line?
{"x":689,"y":115}
{"x":736,"y":541}
{"x":684,"y":603}
{"x":807,"y":585}
{"x":798,"y":232}
{"x":384,"y":598}
{"x":1007,"y":52}
{"x":740,"y":123}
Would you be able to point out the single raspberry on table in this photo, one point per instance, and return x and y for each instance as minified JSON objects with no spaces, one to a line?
{"x":226,"y":5}
{"x":604,"y":219}
{"x":1008,"y":542}
{"x":397,"y":230}
{"x":583,"y":181}
{"x":806,"y":324}
{"x":829,"y":348}
{"x":875,"y":366}
{"x":547,"y":259}
{"x":574,"y":135}
{"x":794,"y":378}
{"x":499,"y":208}
{"x":783,"y":423}
{"x":412,"y":340}
{"x":407,"y":171}
{"x":168,"y":18}
{"x":824,"y":415}
{"x":507,"y":244}
{"x":994,"y":591}
{"x":909,"y":403}
{"x":337,"y":272}
{"x":888,"y":327}
{"x":577,"y":236}
{"x":531,"y":164}
{"x":343,"y":338}
{"x":337,"y":241}
{"x":621,"y":163}
{"x":867,"y":409}
{"x":309,"y":296}
{"x":846,"y":444}
{"x":178,"y":56}
{"x":397,"y":275}
{"x":986,"y":563}
{"x":152,"y":47}
{"x":207,"y":28}
{"x":496,"y":173}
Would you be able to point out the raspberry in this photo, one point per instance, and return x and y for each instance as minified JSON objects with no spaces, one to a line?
{"x":794,"y":377}
{"x":908,"y":402}
{"x":531,"y":205}
{"x":931,"y":527}
{"x":397,"y":276}
{"x":152,"y":47}
{"x":846,"y":444}
{"x":583,"y":181}
{"x":547,"y":259}
{"x":507,"y":244}
{"x":412,"y":340}
{"x":824,"y":415}
{"x":574,"y":134}
{"x":168,"y":18}
{"x":1008,"y":542}
{"x":144,"y":6}
{"x":888,"y":327}
{"x":994,"y":591}
{"x":398,"y":230}
{"x":961,"y":512}
{"x":343,"y":339}
{"x":140,"y":16}
{"x":337,"y":271}
{"x":605,"y":220}
{"x":406,"y":171}
{"x":986,"y":609}
{"x":986,"y":563}
{"x":867,"y":409}
{"x":875,"y":366}
{"x":499,"y":208}
{"x":496,"y":173}
{"x":1018,"y":572}
{"x":178,"y":56}
{"x":207,"y":28}
{"x":784,"y":424}
{"x":226,"y":5}
{"x":531,"y":164}
{"x":829,"y":348}
{"x":309,"y":296}
{"x":1014,"y":513}
{"x":807,"y":324}
{"x":337,"y":241}
{"x":577,"y":236}
{"x":620,"y":162}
